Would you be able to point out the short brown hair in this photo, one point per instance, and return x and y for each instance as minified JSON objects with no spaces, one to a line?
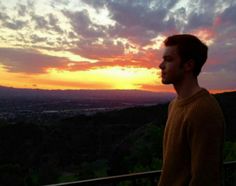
{"x":189,"y":47}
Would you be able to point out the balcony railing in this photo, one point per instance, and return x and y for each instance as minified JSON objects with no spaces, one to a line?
{"x":149,"y":178}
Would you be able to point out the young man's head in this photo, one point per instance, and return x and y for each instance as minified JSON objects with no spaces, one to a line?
{"x":189,"y":47}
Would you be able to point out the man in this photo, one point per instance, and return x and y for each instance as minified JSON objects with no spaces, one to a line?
{"x":194,"y":132}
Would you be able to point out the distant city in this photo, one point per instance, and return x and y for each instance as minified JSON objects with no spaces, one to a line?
{"x":42,"y":106}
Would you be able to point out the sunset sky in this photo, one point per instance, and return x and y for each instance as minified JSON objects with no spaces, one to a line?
{"x":110,"y":44}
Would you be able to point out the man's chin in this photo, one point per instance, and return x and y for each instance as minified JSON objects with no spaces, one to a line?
{"x":165,"y":82}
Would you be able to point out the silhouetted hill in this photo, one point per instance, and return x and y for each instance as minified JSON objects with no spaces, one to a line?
{"x":227,"y":101}
{"x":105,"y":143}
{"x":8,"y":92}
{"x":141,"y":150}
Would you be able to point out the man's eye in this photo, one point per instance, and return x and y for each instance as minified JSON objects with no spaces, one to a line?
{"x":168,"y":59}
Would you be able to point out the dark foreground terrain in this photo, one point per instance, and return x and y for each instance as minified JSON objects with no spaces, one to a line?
{"x":82,"y":146}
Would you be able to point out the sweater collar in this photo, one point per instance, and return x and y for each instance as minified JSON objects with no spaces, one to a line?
{"x":185,"y":101}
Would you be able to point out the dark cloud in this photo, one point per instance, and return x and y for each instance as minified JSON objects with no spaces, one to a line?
{"x":196,"y":21}
{"x":52,"y":20}
{"x":15,"y":24}
{"x":136,"y":34}
{"x":139,"y":21}
{"x":83,"y":26}
{"x":229,"y":15}
{"x":36,"y":39}
{"x":11,"y":23}
{"x":205,"y":13}
{"x":87,"y":49}
{"x":54,"y":23}
{"x":88,"y":33}
{"x":28,"y":61}
{"x":48,"y":22}
{"x":136,"y":21}
{"x":40,"y":22}
{"x":201,"y":14}
{"x":22,"y":10}
{"x":3,"y":16}
{"x":72,"y":35}
{"x":132,"y":15}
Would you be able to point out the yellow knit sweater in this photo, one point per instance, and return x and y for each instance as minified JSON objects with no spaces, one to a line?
{"x":193,"y":142}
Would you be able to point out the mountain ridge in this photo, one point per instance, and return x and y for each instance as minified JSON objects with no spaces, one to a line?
{"x":8,"y":92}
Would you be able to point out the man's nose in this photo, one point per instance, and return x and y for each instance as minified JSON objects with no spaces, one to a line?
{"x":161,"y":66}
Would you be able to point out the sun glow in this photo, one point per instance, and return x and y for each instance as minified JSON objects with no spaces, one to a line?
{"x":111,"y":78}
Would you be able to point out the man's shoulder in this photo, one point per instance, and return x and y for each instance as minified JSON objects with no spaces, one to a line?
{"x":205,"y":106}
{"x":207,"y":101}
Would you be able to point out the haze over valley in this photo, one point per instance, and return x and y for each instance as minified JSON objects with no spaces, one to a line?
{"x":48,"y":104}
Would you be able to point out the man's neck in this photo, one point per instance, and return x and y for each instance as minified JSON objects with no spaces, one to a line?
{"x":187,"y":88}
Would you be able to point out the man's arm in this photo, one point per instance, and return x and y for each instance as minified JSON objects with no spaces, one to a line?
{"x":206,"y":135}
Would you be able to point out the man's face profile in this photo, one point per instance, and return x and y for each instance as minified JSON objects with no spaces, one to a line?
{"x":171,"y":70}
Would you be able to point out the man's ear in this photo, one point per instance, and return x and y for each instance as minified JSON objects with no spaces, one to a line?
{"x":189,"y":65}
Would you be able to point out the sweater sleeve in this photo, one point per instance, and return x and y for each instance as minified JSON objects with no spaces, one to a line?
{"x":205,"y":138}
